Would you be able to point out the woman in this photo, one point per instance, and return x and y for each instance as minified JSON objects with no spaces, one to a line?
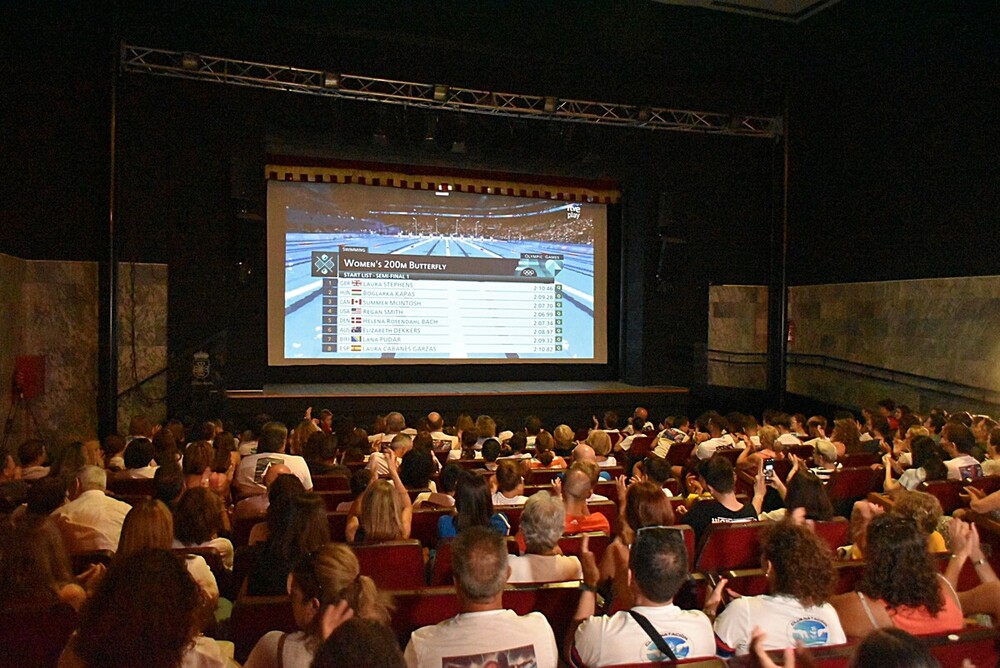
{"x":197,"y":464}
{"x":804,"y":490}
{"x":542,"y":524}
{"x":385,"y":512}
{"x":925,"y":510}
{"x":225,"y":459}
{"x":510,"y":485}
{"x":645,"y":506}
{"x":326,"y":577}
{"x":144,"y":613}
{"x":197,"y":521}
{"x":300,"y":434}
{"x":846,"y":436}
{"x":473,"y":507}
{"x":149,"y":525}
{"x":900,"y":586}
{"x":280,"y":494}
{"x":545,"y":456}
{"x":303,"y":529}
{"x":600,"y":441}
{"x":35,"y":569}
{"x":800,"y":578}
{"x":928,"y":464}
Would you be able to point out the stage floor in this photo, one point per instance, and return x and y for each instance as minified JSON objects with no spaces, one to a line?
{"x":506,"y":388}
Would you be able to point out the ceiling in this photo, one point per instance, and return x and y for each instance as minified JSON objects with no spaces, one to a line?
{"x":789,"y":11}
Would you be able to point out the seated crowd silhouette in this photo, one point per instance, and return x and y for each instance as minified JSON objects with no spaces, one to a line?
{"x":865,"y":540}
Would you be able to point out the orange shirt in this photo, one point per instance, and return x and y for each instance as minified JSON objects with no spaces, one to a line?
{"x":583,"y":523}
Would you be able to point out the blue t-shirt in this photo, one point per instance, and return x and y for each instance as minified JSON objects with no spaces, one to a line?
{"x":446,"y":525}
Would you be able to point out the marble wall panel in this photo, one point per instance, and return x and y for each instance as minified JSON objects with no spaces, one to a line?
{"x":944,"y":330}
{"x":737,"y":323}
{"x":142,"y":342}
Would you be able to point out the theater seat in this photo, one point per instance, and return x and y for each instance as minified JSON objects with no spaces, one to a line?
{"x":693,"y":663}
{"x":680,"y":453}
{"x":597,"y":543}
{"x":331,"y":483}
{"x":253,"y":616}
{"x":834,"y":533}
{"x":947,"y":492}
{"x":729,"y":546}
{"x":35,"y":636}
{"x":134,"y":487}
{"x":394,"y":565}
{"x":851,"y":484}
{"x":424,"y":525}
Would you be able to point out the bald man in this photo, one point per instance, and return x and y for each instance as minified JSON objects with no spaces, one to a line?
{"x":585,"y":453}
{"x":576,"y":489}
{"x":442,"y":441}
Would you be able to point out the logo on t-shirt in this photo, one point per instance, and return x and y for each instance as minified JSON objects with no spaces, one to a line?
{"x":262,"y":465}
{"x":678,"y":644}
{"x":518,"y":656}
{"x":810,"y":631}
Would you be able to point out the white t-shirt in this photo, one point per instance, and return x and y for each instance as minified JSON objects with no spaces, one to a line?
{"x":499,"y":635}
{"x":789,"y":439}
{"x":91,"y":521}
{"x":912,"y":478}
{"x":248,"y":448}
{"x":543,"y":568}
{"x":963,"y":466}
{"x":249,"y":478}
{"x":618,"y":639}
{"x":706,"y":449}
{"x":223,"y":545}
{"x":500,"y":500}
{"x":783,"y":618}
{"x":991,"y":467}
{"x":297,"y":651}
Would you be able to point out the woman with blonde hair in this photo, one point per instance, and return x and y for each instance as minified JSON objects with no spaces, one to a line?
{"x":300,"y":434}
{"x":600,"y":441}
{"x":329,"y":576}
{"x":385,"y":511}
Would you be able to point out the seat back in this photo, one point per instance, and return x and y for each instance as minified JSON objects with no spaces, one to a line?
{"x":332,"y":499}
{"x":680,"y":453}
{"x":851,"y":484}
{"x":979,"y":646}
{"x":415,"y":608}
{"x":607,"y":508}
{"x":555,"y":600}
{"x":253,"y":616}
{"x":542,"y":476}
{"x":833,"y":532}
{"x":329,"y":482}
{"x":441,"y":568}
{"x":134,"y":487}
{"x":35,"y":636}
{"x":729,"y":546}
{"x":987,"y":483}
{"x":424,"y":525}
{"x":947,"y":492}
{"x":597,"y":543}
{"x":393,"y":565}
{"x":800,"y":451}
{"x":338,"y":526}
{"x":242,"y":526}
{"x":860,"y":459}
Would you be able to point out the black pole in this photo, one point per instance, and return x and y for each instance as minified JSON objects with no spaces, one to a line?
{"x":777,"y":328}
{"x":107,"y":369}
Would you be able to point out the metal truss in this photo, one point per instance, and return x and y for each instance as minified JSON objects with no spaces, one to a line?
{"x":186,"y":65}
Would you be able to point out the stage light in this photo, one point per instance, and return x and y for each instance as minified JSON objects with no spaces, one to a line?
{"x":190,"y":61}
{"x":440,"y":93}
{"x":644,"y":114}
{"x":550,"y":105}
{"x":331,"y":80}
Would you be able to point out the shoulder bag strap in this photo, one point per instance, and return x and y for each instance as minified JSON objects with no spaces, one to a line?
{"x":657,"y":639}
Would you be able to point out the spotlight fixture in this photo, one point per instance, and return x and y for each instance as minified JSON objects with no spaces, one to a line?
{"x":331,"y":80}
{"x":440,"y":93}
{"x":550,"y":105}
{"x":644,"y":114}
{"x":190,"y":61}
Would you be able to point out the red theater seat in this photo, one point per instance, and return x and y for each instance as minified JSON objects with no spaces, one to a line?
{"x":394,"y":565}
{"x":35,"y":636}
{"x":331,"y":483}
{"x":947,"y":492}
{"x":729,"y":546}
{"x":851,"y":484}
{"x":253,"y":616}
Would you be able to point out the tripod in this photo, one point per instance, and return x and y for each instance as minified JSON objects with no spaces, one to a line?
{"x":19,"y":406}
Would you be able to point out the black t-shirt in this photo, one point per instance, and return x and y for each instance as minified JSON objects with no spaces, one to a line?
{"x":705,"y":513}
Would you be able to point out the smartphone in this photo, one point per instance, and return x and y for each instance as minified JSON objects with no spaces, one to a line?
{"x":768,"y":469}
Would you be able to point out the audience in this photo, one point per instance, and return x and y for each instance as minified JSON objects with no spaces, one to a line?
{"x":91,"y":520}
{"x":300,"y":528}
{"x":542,"y":524}
{"x":249,"y":477}
{"x":473,"y":508}
{"x":197,"y":522}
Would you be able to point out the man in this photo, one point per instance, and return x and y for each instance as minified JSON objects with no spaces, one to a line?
{"x":395,"y":424}
{"x":138,"y":459}
{"x":532,"y":428}
{"x":442,"y":441}
{"x":881,"y":436}
{"x":957,"y":440}
{"x":377,"y":463}
{"x":483,"y":631}
{"x":824,"y":459}
{"x":720,"y":480}
{"x":248,"y":444}
{"x":565,"y":440}
{"x":640,"y":422}
{"x":718,"y":437}
{"x":256,"y":505}
{"x":249,"y":477}
{"x":657,"y":569}
{"x":92,"y":520}
{"x":575,"y":490}
{"x":32,"y":455}
{"x":783,"y":423}
{"x":585,"y":453}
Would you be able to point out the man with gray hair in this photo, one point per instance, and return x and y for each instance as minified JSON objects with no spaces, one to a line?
{"x":542,"y":525}
{"x":92,"y":520}
{"x":483,"y":631}
{"x":379,"y":465}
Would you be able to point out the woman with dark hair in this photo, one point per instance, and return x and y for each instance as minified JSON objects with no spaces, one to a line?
{"x":803,"y":490}
{"x":144,"y":613}
{"x":928,"y":464}
{"x":800,"y":575}
{"x":473,"y":507}
{"x":360,"y":643}
{"x":846,"y":436}
{"x":417,"y":468}
{"x":645,"y":506}
{"x":900,"y":586}
{"x":303,"y":529}
{"x":197,"y":464}
{"x":35,"y":567}
{"x":327,"y":577}
{"x":280,"y":494}
{"x":197,"y":521}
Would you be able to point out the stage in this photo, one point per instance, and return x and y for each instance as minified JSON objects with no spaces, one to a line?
{"x":562,"y":401}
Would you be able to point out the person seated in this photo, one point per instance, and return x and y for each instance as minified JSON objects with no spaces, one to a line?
{"x":655,"y":470}
{"x":483,"y":627}
{"x":490,"y":453}
{"x":359,"y":643}
{"x":510,"y":485}
{"x":900,"y":586}
{"x":445,"y":496}
{"x":644,"y":506}
{"x":320,"y":453}
{"x":564,"y":440}
{"x":471,"y":447}
{"x":720,"y":480}
{"x":259,"y":505}
{"x":249,"y":477}
{"x":44,"y":496}
{"x":302,"y":529}
{"x":824,"y":459}
{"x":803,"y":490}
{"x":35,"y":570}
{"x":417,"y":469}
{"x":928,"y":464}
{"x":575,"y":491}
{"x":359,"y":482}
{"x":601,"y":443}
{"x":220,"y":476}
{"x":542,"y":525}
{"x":714,"y":437}
{"x":800,"y":578}
{"x":92,"y":520}
{"x":545,"y":456}
{"x":384,"y":512}
{"x":328,"y":577}
{"x":473,"y":507}
{"x":517,"y":445}
{"x":138,"y":459}
{"x":144,"y":613}
{"x":926,"y":511}
{"x":112,"y":449}
{"x":168,"y":484}
{"x":197,"y":464}
{"x":653,"y":629}
{"x":585,"y":453}
{"x":398,"y":446}
{"x":32,"y":455}
{"x":958,"y":442}
{"x":197,"y":522}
